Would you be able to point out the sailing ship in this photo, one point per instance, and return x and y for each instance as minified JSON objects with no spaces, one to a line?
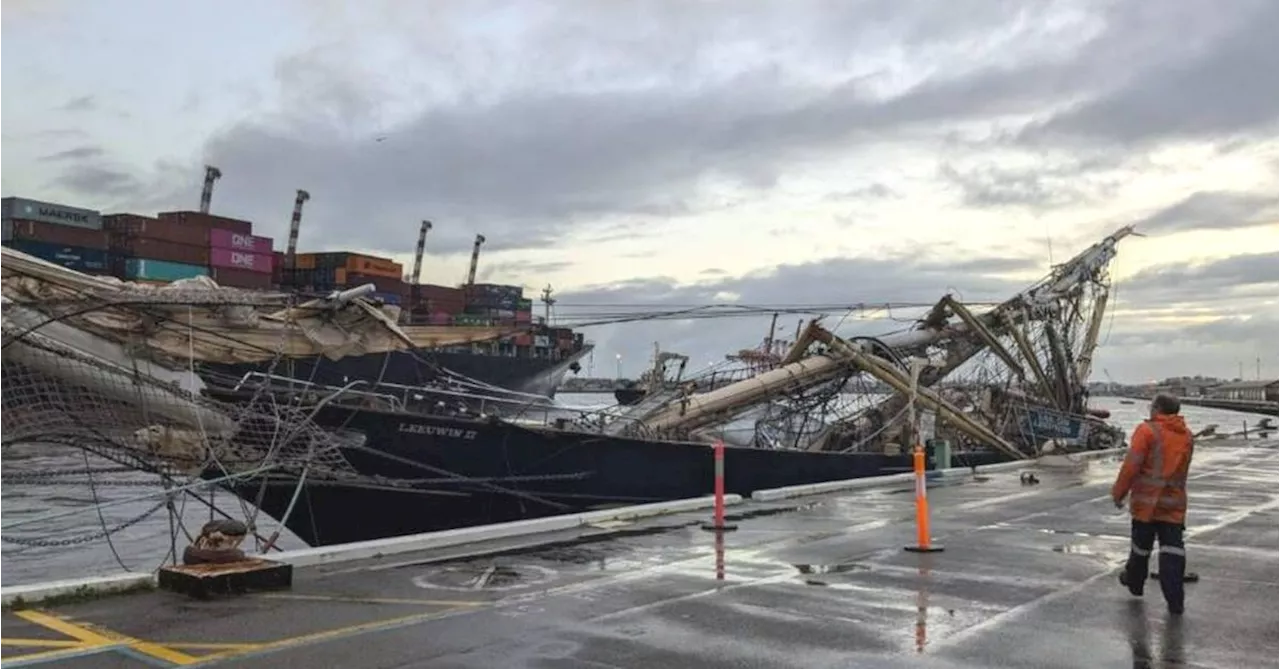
{"x":370,"y":459}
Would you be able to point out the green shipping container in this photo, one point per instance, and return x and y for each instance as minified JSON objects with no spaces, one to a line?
{"x":469,"y":320}
{"x":525,"y":305}
{"x":147,"y":269}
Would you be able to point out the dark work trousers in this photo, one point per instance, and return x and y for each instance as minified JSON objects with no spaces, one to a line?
{"x":1173,"y":558}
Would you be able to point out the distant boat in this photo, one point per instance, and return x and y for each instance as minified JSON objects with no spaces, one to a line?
{"x":1126,"y":401}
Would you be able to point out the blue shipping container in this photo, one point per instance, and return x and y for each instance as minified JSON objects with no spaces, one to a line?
{"x":161,"y":270}
{"x":389,"y":298}
{"x":78,"y":258}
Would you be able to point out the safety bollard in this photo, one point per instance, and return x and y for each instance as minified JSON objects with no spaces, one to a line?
{"x":717,"y":523}
{"x":923,"y":543}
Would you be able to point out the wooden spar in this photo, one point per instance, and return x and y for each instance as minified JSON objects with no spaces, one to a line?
{"x":1029,"y":355}
{"x":1084,"y":366}
{"x":985,"y":335}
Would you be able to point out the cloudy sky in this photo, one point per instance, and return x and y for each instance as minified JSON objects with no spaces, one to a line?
{"x":683,"y":153}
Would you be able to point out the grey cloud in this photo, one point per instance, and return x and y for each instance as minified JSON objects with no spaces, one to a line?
{"x":96,"y":181}
{"x":1039,"y":188}
{"x":1254,"y":275}
{"x":516,"y":268}
{"x":1211,"y":85}
{"x":84,"y":103}
{"x":835,"y":282}
{"x":1215,"y":210}
{"x":528,"y":162}
{"x":78,"y":153}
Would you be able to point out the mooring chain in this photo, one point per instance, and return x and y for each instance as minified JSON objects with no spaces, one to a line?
{"x":84,"y":539}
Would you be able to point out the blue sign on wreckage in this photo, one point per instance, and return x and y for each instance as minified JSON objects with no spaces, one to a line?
{"x":1039,"y":424}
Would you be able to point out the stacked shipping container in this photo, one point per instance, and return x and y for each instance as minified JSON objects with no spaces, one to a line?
{"x":67,"y":236}
{"x":184,"y":244}
{"x":241,"y":260}
{"x":322,"y":272}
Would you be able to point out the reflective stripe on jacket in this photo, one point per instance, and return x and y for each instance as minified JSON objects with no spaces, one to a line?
{"x":1154,"y":473}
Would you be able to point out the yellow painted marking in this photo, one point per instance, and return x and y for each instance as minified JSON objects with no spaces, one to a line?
{"x":376,"y":600}
{"x":43,"y":643}
{"x":340,"y":632}
{"x":85,"y":636}
{"x":95,"y":636}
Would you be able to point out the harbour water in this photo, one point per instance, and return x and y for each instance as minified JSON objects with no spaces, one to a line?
{"x":71,"y":545}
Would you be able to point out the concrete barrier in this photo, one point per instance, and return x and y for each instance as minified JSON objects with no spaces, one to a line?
{"x":470,"y":535}
{"x":895,"y":479}
{"x":95,"y":585}
{"x":102,"y":585}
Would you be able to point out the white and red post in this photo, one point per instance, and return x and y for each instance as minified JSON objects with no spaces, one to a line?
{"x":717,"y":522}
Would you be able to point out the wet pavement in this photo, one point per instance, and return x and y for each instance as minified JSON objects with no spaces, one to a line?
{"x":1027,"y":579}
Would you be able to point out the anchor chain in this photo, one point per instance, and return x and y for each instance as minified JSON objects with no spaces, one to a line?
{"x":84,"y":539}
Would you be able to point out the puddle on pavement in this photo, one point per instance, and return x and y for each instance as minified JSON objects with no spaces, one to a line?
{"x":830,"y":568}
{"x":759,"y":513}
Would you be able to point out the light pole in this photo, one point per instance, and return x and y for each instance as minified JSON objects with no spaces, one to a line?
{"x":619,"y":366}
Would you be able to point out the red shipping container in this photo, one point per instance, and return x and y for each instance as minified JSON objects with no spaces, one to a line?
{"x":207,"y":221}
{"x":255,"y":262}
{"x":124,"y":226}
{"x":440,"y":318}
{"x":66,"y":235}
{"x":220,"y":238}
{"x":155,"y":249}
{"x":241,"y":278}
{"x":524,"y":316}
{"x":525,"y":339}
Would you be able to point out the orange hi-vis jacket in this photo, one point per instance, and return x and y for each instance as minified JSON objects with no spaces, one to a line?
{"x":1154,"y":473}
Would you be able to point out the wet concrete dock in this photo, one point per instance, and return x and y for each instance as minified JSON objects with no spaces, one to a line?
{"x":1027,"y":579}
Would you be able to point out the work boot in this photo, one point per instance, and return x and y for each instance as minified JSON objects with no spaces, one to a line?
{"x":1135,"y":589}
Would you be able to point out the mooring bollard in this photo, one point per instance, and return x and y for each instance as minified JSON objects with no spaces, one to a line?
{"x":923,"y":543}
{"x":717,"y":523}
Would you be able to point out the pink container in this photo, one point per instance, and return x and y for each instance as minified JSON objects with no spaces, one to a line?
{"x":226,"y":239}
{"x":440,"y":318}
{"x":254,"y":262}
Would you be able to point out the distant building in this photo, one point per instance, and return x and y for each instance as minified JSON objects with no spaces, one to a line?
{"x":1257,"y":391}
{"x":1189,"y":387}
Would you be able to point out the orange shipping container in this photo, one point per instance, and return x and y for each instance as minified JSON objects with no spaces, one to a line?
{"x":304,"y":261}
{"x":357,"y":264}
{"x":340,"y":276}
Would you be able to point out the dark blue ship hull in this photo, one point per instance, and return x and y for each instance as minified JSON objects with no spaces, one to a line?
{"x":473,"y":472}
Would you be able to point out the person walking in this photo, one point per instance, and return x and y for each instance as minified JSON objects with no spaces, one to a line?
{"x":1154,"y":478}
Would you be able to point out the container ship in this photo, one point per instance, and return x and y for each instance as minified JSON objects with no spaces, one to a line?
{"x":176,"y":245}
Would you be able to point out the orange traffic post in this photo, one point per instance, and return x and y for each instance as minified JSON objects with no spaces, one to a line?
{"x":717,"y":523}
{"x":923,"y":543}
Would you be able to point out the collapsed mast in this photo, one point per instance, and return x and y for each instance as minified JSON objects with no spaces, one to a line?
{"x":1008,"y":378}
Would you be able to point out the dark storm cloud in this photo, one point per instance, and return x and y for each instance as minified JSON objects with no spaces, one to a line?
{"x":528,"y":163}
{"x":78,"y":153}
{"x":1212,"y":211}
{"x":1216,"y":85}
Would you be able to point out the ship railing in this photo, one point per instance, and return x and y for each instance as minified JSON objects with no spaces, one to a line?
{"x":289,"y":383}
{"x":401,"y":397}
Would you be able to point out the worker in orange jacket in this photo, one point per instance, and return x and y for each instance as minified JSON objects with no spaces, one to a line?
{"x":1154,"y":477}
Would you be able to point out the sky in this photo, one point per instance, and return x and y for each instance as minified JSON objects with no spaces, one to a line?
{"x":678,"y":153}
